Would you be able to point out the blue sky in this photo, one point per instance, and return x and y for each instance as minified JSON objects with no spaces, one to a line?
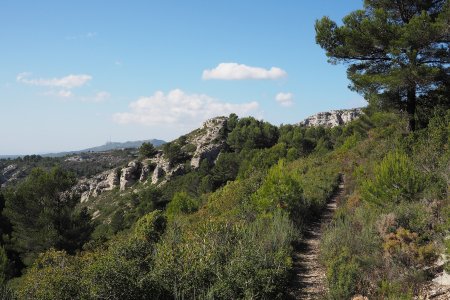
{"x":75,"y":74}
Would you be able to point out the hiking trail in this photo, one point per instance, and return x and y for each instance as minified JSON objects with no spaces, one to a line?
{"x":309,"y":276}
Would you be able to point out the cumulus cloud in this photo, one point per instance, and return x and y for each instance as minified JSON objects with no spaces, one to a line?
{"x":285,"y":99}
{"x":67,"y":82}
{"x":179,"y":108}
{"x":235,"y":71}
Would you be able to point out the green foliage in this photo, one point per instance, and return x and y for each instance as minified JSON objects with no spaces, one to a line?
{"x":181,"y":203}
{"x":150,"y":227}
{"x":225,"y":169}
{"x":118,"y":272}
{"x":54,"y":275}
{"x":394,"y":51}
{"x":281,"y":189}
{"x":295,"y":137}
{"x":250,"y":133}
{"x":173,"y":152}
{"x":389,"y":243}
{"x":343,"y":274}
{"x":6,"y":293}
{"x":260,"y":160}
{"x":4,"y":263}
{"x":42,"y":217}
{"x":147,"y":150}
{"x":447,"y":252}
{"x":230,"y":226}
{"x":395,"y":180}
{"x":259,"y":264}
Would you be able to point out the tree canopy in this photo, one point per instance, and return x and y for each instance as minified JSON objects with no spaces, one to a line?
{"x":396,"y":51}
{"x":147,"y":150}
{"x":42,"y":217}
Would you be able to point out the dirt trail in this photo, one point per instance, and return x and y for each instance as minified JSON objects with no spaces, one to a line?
{"x":309,"y":279}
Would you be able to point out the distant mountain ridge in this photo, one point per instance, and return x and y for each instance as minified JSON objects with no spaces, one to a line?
{"x":118,"y":145}
{"x":106,"y":147}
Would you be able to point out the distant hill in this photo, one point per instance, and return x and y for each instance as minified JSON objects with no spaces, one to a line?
{"x":106,"y":147}
{"x":117,"y":145}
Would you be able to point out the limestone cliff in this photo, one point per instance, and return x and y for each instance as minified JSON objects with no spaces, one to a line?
{"x":203,"y":143}
{"x":332,"y":118}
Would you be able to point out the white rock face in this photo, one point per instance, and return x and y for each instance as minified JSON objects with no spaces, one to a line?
{"x":210,"y":143}
{"x":94,"y":186}
{"x":130,"y":174}
{"x":10,"y":174}
{"x":145,"y":171}
{"x":108,"y":180}
{"x":333,"y":118}
{"x":163,"y":170}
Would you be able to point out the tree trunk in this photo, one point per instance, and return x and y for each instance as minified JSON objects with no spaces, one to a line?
{"x":411,"y":107}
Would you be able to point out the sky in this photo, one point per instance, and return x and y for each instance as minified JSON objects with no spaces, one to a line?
{"x":75,"y":74}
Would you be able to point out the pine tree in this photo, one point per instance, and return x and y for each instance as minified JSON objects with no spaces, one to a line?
{"x":43,"y":217}
{"x":396,"y":51}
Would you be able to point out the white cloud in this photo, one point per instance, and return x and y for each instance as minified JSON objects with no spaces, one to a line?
{"x":285,"y":99}
{"x":67,"y":82}
{"x":235,"y":71}
{"x":179,"y":108}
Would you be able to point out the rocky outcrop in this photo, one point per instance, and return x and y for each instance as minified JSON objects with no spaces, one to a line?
{"x":108,"y":180}
{"x":332,"y":118}
{"x":10,"y":175}
{"x":130,"y":174}
{"x":164,"y":170}
{"x":207,"y":141}
{"x":94,"y":186}
{"x":145,"y":171}
{"x":210,"y":142}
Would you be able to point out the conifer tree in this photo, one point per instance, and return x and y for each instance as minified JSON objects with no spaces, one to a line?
{"x":396,"y":50}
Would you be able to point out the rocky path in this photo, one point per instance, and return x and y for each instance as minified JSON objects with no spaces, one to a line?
{"x":309,"y":279}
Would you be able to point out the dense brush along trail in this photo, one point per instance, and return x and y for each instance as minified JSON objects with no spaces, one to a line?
{"x":309,"y":276}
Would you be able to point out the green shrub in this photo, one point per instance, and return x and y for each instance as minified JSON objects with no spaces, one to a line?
{"x":150,"y":227}
{"x":259,"y":266}
{"x":343,"y":275}
{"x":281,"y":189}
{"x":181,"y":203}
{"x":395,"y":180}
{"x":54,"y":275}
{"x":147,"y":150}
{"x":4,"y":263}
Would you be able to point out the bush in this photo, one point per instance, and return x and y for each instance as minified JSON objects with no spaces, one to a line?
{"x":181,"y":203}
{"x":147,"y":150}
{"x":343,"y":275}
{"x":54,"y":275}
{"x":395,"y":180}
{"x":281,"y":189}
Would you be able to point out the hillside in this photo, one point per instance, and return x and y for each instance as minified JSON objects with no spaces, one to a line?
{"x":347,"y":204}
{"x":236,"y":194}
